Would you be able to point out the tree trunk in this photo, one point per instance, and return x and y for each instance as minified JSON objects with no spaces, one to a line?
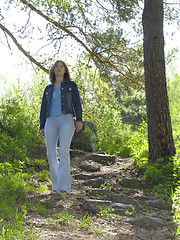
{"x":161,"y":144}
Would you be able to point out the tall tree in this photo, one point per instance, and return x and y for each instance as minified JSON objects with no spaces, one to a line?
{"x":95,"y":27}
{"x":161,"y":144}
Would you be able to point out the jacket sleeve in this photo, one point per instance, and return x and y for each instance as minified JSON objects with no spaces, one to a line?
{"x":43,"y":110}
{"x":77,"y":103}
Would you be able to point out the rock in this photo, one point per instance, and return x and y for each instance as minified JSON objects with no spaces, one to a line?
{"x":102,"y":158}
{"x":142,"y":198}
{"x":124,"y":199}
{"x":85,"y":139}
{"x":82,"y":176}
{"x":122,"y":209}
{"x":131,"y":183}
{"x":90,"y":166}
{"x":146,"y":222}
{"x":95,"y":205}
{"x":128,"y":191}
{"x":95,"y":183}
{"x":76,"y":153}
{"x":99,"y":192}
{"x":160,"y":204}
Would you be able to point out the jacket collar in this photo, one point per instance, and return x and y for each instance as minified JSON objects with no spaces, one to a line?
{"x":64,"y":81}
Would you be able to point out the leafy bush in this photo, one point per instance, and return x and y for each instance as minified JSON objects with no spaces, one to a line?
{"x":11,"y":191}
{"x":138,"y":142}
{"x":174,"y":101}
{"x":11,"y":147}
{"x":19,"y":120}
{"x":153,"y":174}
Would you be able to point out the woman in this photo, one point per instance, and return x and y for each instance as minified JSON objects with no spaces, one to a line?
{"x":60,"y":103}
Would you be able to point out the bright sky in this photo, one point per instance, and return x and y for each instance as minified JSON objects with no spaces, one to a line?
{"x":11,"y":67}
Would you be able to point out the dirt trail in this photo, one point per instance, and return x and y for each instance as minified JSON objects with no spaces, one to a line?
{"x":94,"y":227}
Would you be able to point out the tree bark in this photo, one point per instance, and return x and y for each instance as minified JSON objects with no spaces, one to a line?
{"x":161,"y":144}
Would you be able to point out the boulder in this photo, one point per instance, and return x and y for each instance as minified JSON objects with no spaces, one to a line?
{"x":95,"y":206}
{"x":94,"y":183}
{"x":131,"y":183}
{"x":85,"y":139}
{"x":90,"y":166}
{"x":102,"y":158}
{"x":122,"y":209}
{"x":123,"y":199}
{"x":82,"y":176}
{"x":146,"y":222}
{"x":99,"y":192}
{"x":160,"y":204}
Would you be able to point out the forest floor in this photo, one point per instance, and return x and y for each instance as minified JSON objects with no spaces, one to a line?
{"x":65,"y":217}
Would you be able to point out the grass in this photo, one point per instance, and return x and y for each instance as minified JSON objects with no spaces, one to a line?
{"x":63,"y":218}
{"x":17,"y":229}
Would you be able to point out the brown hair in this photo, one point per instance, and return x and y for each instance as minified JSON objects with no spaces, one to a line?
{"x":67,"y":75}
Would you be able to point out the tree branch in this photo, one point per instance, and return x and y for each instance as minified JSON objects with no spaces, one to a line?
{"x":61,"y":27}
{"x":22,"y":49}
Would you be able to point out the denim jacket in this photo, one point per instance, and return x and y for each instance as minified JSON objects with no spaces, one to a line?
{"x":70,"y":101}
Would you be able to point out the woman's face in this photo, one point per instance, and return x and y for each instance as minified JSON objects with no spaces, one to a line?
{"x":59,"y":69}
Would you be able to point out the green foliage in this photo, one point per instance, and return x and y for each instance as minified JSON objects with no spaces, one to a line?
{"x":107,"y":213}
{"x":11,"y":191}
{"x":11,"y":147}
{"x":63,"y":218}
{"x":44,"y":176}
{"x":39,"y":207}
{"x":16,"y":229}
{"x":176,"y":135}
{"x":138,"y":142}
{"x":6,"y":168}
{"x":41,"y":162}
{"x":43,"y":189}
{"x":18,"y":124}
{"x":87,"y":136}
{"x":160,"y":171}
{"x":174,"y":101}
{"x":153,"y":174}
{"x":19,"y":120}
{"x":176,"y":207}
{"x":19,"y":115}
{"x":101,"y":107}
{"x":176,"y":163}
{"x":133,"y":110}
{"x":86,"y":222}
{"x":163,"y":190}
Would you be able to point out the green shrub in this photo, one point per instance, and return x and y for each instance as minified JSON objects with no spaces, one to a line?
{"x":152,"y":174}
{"x":44,"y":176}
{"x":11,"y":193}
{"x":16,"y":229}
{"x":19,"y":122}
{"x":138,"y":142}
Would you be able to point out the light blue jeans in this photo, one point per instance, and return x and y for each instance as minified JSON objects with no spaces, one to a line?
{"x":61,"y":127}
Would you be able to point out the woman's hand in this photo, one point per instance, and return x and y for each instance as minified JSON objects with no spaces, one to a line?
{"x":78,"y":126}
{"x":42,"y":133}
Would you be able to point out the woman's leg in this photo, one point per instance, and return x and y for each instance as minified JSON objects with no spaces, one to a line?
{"x":66,"y":132}
{"x":51,"y":134}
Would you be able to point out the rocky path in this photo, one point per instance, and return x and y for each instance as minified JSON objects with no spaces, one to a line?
{"x":108,"y":201}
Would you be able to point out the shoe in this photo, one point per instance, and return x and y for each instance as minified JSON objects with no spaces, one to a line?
{"x":53,"y":193}
{"x":63,"y":192}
